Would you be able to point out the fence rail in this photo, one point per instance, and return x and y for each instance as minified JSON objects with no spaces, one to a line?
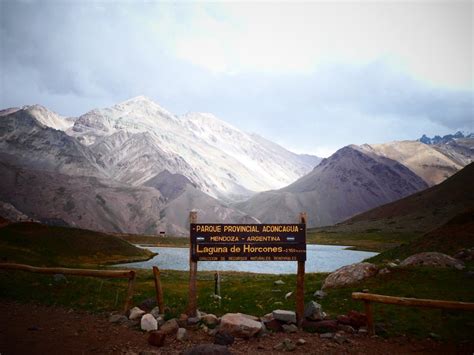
{"x":368,"y":298}
{"x":123,"y":274}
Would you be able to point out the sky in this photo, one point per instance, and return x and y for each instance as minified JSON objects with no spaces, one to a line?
{"x":312,"y":76}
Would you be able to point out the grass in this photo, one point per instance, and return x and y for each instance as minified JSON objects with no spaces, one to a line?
{"x":369,"y":240}
{"x":153,"y":240}
{"x":256,"y":294}
{"x":37,"y":244}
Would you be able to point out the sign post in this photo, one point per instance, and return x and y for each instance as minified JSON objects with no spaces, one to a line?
{"x":192,"y":302}
{"x":253,"y":242}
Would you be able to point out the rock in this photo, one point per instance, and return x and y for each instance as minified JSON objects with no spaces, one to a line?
{"x":290,"y":328}
{"x":136,"y":313}
{"x":326,"y":335}
{"x":160,"y":320}
{"x":433,"y":259}
{"x":193,"y":320}
{"x":207,"y":349}
{"x":384,"y":271}
{"x":323,"y":326}
{"x":285,"y":345}
{"x":350,"y":274}
{"x":239,"y":325}
{"x":288,"y":295}
{"x":391,"y":265}
{"x":182,"y":334}
{"x":249,"y":316}
{"x":117,"y":318}
{"x":346,"y":328}
{"x":156,"y":338}
{"x":170,"y":327}
{"x":148,"y":323}
{"x":274,"y":325}
{"x":216,"y":297}
{"x":223,"y":338}
{"x":182,"y":320}
{"x":284,"y":316}
{"x":320,"y":294}
{"x":301,"y":341}
{"x":339,"y":338}
{"x":267,"y":317}
{"x":148,"y":304}
{"x":363,"y":330}
{"x":313,"y":311}
{"x":357,"y":319}
{"x":210,"y":320}
{"x":465,"y":254}
{"x":155,"y":312}
{"x":59,"y":278}
{"x":279,"y":282}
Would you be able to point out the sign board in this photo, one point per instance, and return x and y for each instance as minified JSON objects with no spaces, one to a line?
{"x":255,"y":242}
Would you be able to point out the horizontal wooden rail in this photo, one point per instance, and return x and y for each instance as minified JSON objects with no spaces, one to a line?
{"x":405,"y":301}
{"x":123,"y":274}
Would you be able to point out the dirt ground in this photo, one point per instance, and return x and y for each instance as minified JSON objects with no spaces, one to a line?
{"x":38,"y":329}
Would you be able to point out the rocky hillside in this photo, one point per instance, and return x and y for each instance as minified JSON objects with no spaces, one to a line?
{"x":350,"y":181}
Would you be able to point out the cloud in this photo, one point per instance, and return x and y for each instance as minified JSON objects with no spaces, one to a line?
{"x":312,"y":77}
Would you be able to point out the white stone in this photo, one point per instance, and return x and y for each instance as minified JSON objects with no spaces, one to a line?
{"x":182,"y":334}
{"x":148,"y":323}
{"x":239,"y":325}
{"x":136,"y":313}
{"x":284,"y":316}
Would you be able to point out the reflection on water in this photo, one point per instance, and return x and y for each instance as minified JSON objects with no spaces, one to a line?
{"x":319,"y":258}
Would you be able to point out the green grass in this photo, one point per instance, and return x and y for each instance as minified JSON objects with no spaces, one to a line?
{"x":255,"y":294}
{"x":369,"y":240}
{"x":37,"y":244}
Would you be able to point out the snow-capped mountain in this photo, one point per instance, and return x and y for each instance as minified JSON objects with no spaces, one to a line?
{"x":221,"y":160}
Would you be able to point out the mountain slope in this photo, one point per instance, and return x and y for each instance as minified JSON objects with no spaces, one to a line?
{"x":431,"y":164}
{"x":352,"y":180}
{"x":422,"y":211}
{"x":27,"y":142}
{"x":220,"y":159}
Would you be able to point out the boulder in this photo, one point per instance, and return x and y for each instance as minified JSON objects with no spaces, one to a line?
{"x":433,"y":259}
{"x":465,"y":254}
{"x":210,"y":320}
{"x":170,"y":327}
{"x":288,"y":295}
{"x":136,"y":313}
{"x":323,"y":326}
{"x":279,"y":282}
{"x":155,"y":312}
{"x":350,"y":274}
{"x":319,"y":294}
{"x":182,"y":320}
{"x":223,"y":338}
{"x":289,"y":328}
{"x":193,"y":320}
{"x":354,"y":319}
{"x":156,"y":338}
{"x":148,"y":323}
{"x":274,"y":325}
{"x":284,"y":316}
{"x":313,"y":311}
{"x":207,"y":349}
{"x":182,"y":334}
{"x":240,"y":326}
{"x":326,"y":335}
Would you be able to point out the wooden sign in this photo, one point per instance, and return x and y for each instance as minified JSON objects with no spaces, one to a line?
{"x":254,"y":242}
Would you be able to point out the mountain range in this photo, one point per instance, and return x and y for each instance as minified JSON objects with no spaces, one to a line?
{"x":137,"y":168}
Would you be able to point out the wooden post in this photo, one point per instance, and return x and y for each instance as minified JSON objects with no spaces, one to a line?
{"x":217,"y":286}
{"x":131,"y":285}
{"x":370,"y":317}
{"x":192,"y":297}
{"x":300,"y":284}
{"x":159,"y":291}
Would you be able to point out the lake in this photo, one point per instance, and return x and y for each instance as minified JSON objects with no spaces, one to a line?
{"x":320,"y":258}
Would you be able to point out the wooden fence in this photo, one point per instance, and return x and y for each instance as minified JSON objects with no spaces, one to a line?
{"x":368,"y":298}
{"x":123,"y":274}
